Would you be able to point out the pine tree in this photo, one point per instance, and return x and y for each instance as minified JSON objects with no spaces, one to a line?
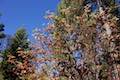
{"x":16,"y":63}
{"x":20,"y":40}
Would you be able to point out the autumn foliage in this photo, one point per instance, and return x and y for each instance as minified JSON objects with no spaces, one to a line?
{"x":80,"y":43}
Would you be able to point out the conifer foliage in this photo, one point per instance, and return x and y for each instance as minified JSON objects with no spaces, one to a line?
{"x":16,"y":64}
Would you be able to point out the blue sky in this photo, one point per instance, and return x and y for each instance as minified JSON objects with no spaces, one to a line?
{"x":26,"y":13}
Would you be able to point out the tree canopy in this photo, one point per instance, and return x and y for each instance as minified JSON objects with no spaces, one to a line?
{"x":81,"y":42}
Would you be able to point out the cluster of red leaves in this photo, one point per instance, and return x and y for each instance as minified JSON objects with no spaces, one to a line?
{"x":22,"y":62}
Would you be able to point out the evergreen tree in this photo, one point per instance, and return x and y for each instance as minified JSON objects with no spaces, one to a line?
{"x":20,"y":40}
{"x":16,"y":63}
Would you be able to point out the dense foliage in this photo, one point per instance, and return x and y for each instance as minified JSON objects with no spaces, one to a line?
{"x":16,"y":62}
{"x":90,"y":33}
{"x":81,"y":42}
